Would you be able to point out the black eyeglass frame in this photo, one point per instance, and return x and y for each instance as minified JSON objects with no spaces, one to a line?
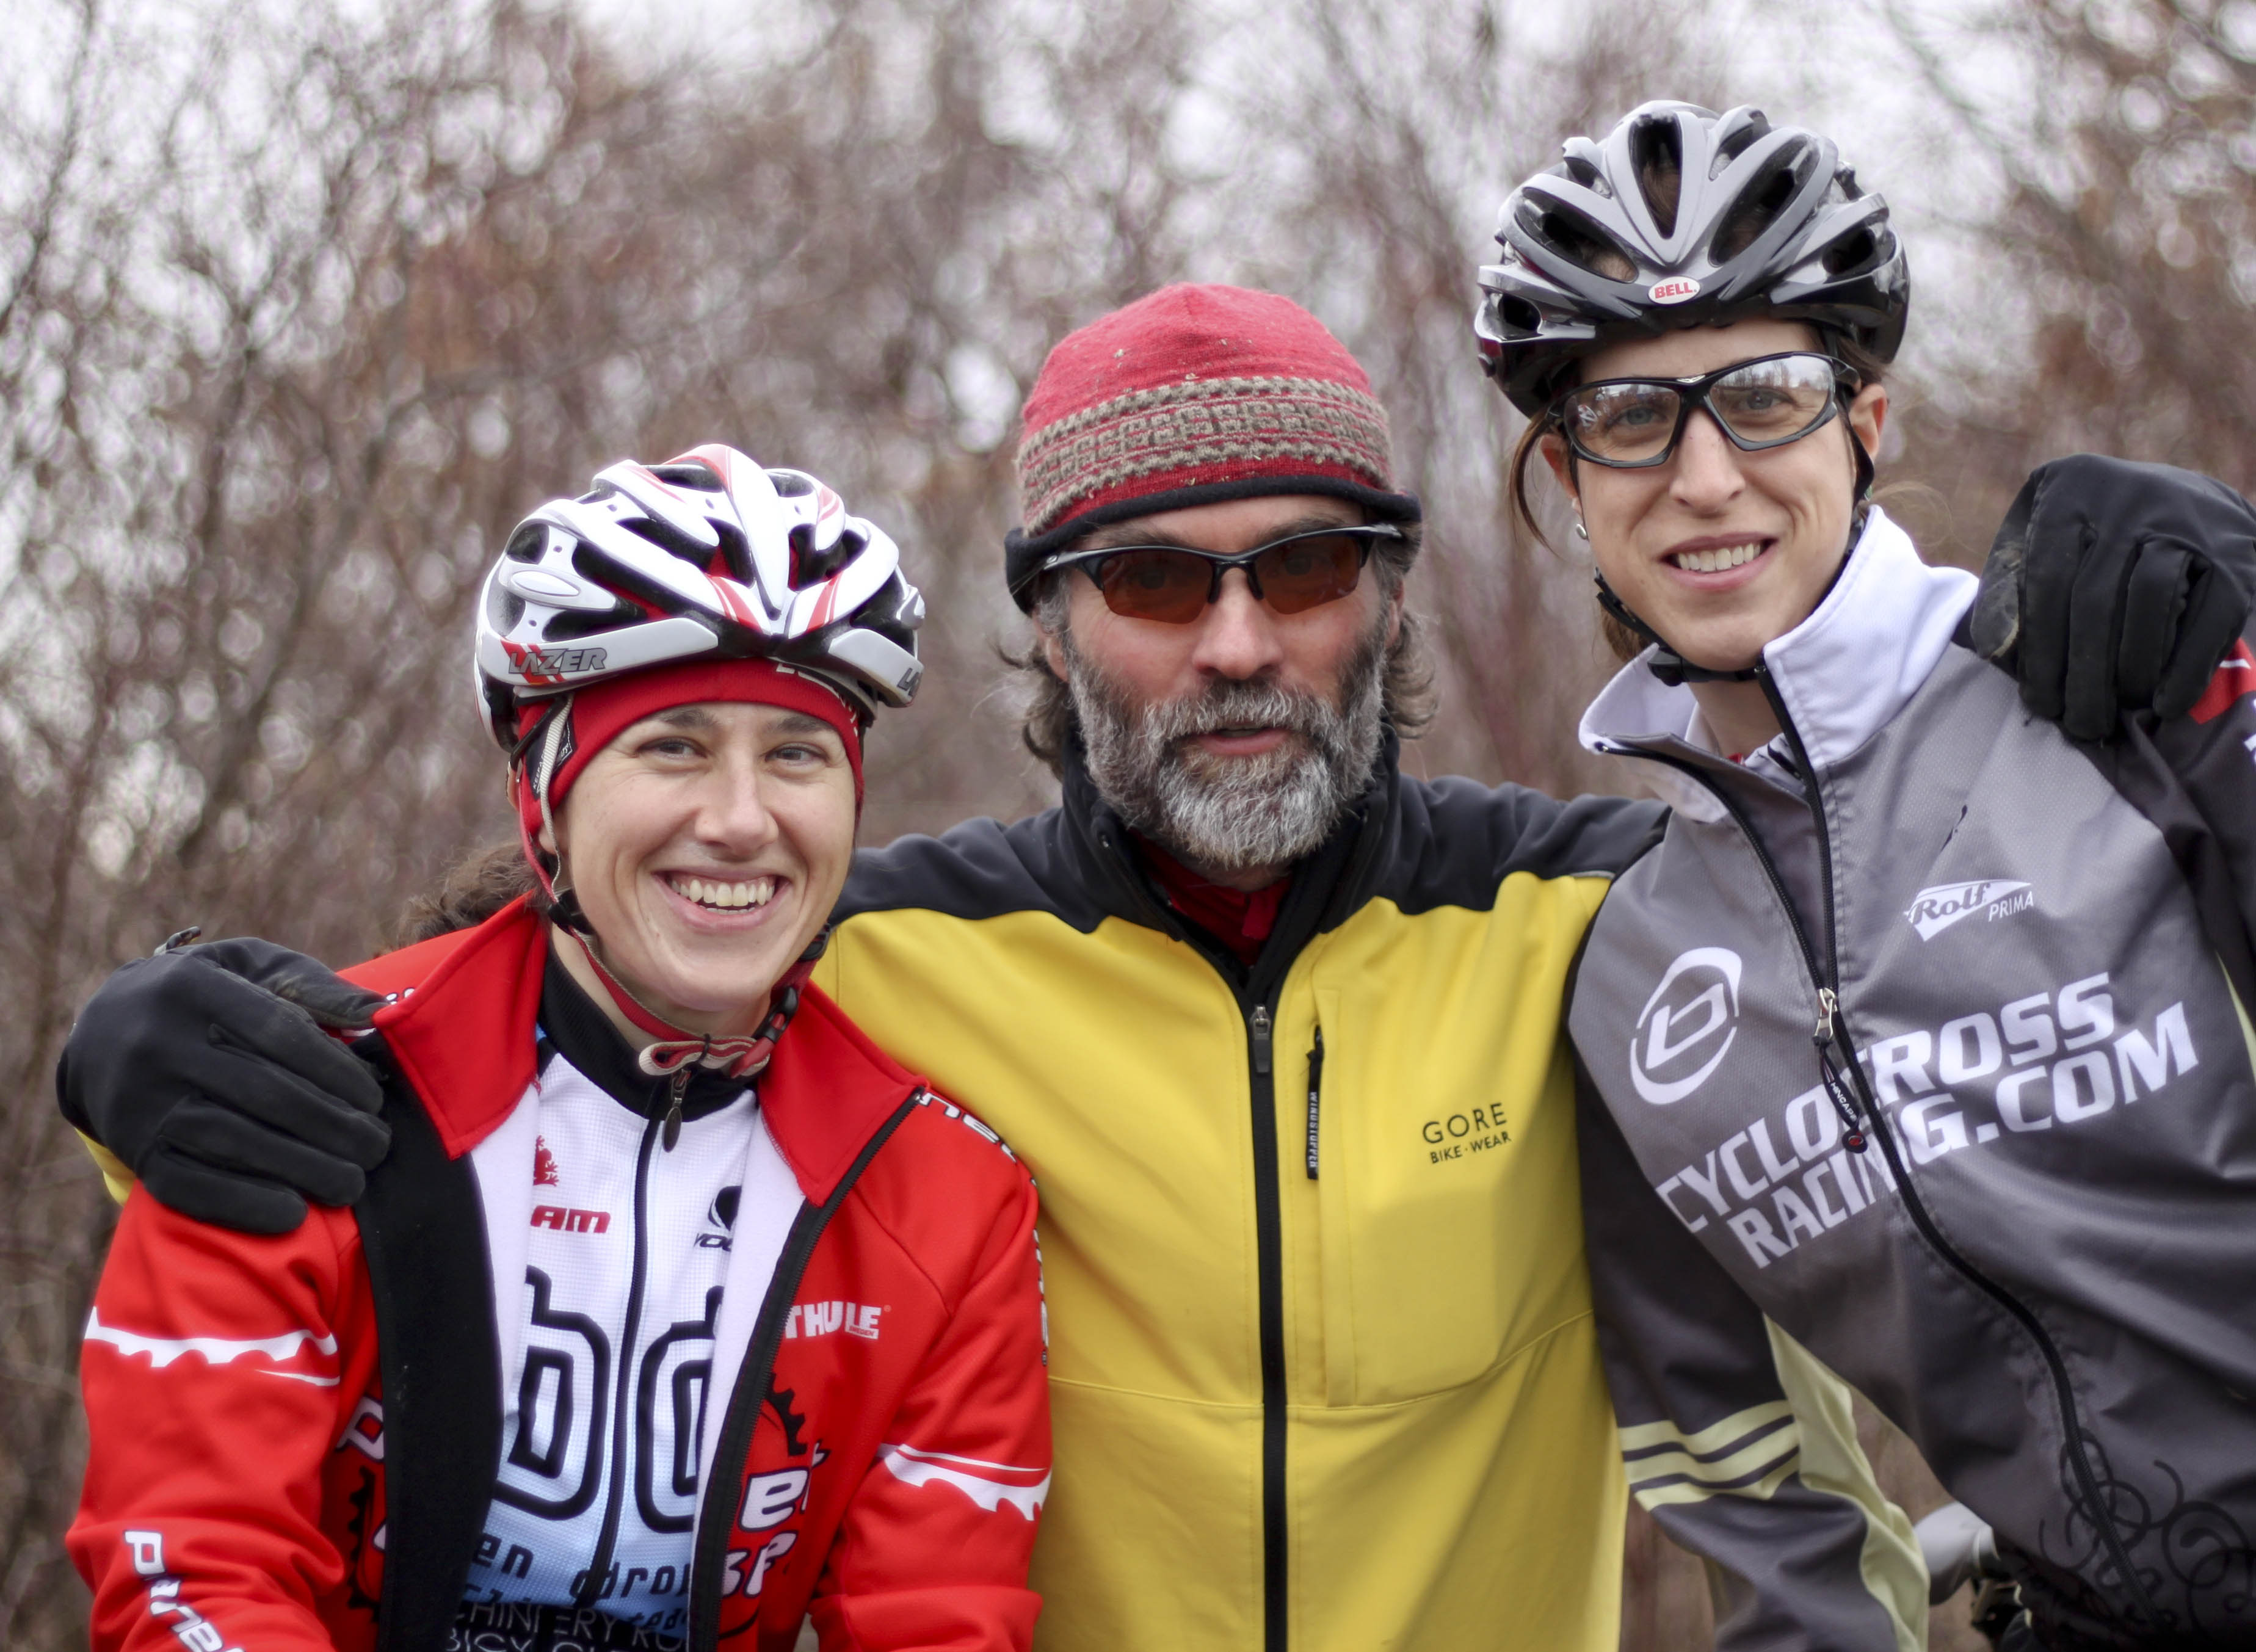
{"x":1692,"y":396}
{"x":1366,"y":534}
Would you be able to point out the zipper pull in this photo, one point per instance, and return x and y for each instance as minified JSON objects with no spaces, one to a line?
{"x":670,"y":1132}
{"x":1258,"y":1023}
{"x":1316,"y":1094}
{"x":1836,"y":1091}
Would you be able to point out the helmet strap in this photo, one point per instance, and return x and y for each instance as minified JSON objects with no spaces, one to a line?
{"x":1671,"y":667}
{"x":542,"y":745}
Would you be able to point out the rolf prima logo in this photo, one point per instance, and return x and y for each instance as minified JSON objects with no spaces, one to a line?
{"x":1932,"y":911}
{"x":1687,"y":1026}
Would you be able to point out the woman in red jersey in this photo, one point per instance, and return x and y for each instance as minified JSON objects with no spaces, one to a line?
{"x":679,"y":1310}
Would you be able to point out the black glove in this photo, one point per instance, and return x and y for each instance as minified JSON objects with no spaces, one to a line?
{"x":205,"y":1070}
{"x":2116,"y":587}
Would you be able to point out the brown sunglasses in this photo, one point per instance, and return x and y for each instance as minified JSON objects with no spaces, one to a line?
{"x":1174,"y":584}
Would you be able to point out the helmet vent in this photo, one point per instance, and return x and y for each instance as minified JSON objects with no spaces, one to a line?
{"x":505,"y":607}
{"x":571,"y":624}
{"x":1519,"y":314}
{"x":671,"y":539}
{"x":734,"y":560}
{"x":1581,"y":246}
{"x":526,"y":543}
{"x":1657,"y":150}
{"x":690,"y":475}
{"x":810,"y":567}
{"x":1853,"y":252}
{"x":1586,"y":174}
{"x":1764,"y":200}
{"x":1741,"y":137}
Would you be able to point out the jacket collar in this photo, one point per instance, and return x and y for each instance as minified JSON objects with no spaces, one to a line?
{"x":461,"y":1031}
{"x":1844,"y":673}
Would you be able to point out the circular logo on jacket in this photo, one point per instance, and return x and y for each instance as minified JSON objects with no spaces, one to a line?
{"x":1674,"y":290}
{"x":1687,"y":1026}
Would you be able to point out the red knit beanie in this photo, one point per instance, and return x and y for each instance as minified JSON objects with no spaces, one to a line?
{"x":1188,"y":397}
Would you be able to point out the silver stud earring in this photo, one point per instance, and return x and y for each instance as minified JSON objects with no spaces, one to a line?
{"x":1581,"y":533}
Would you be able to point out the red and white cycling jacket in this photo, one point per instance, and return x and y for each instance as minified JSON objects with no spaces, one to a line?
{"x":294,"y":1437}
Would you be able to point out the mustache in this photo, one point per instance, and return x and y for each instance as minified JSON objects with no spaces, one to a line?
{"x":1226,"y":703}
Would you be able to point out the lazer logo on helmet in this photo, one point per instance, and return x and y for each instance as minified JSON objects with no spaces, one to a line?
{"x":1675,"y":290}
{"x":1687,"y":1026}
{"x":1932,"y":911}
{"x":551,"y":664}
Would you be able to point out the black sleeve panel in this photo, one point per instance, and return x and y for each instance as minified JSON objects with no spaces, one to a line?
{"x":1737,"y":1443}
{"x":979,"y":870}
{"x":1457,"y":840}
{"x":1683,"y":1342}
{"x":2195,"y":778}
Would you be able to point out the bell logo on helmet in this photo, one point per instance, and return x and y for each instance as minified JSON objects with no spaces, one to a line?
{"x":1698,"y":998}
{"x":1675,"y":290}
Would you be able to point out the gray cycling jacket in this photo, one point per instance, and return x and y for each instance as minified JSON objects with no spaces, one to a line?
{"x":2042,"y":1266}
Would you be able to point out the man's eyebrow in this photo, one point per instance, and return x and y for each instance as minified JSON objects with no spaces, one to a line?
{"x":694,"y":719}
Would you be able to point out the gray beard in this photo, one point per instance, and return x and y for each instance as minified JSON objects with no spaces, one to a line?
{"x":1232,"y":815}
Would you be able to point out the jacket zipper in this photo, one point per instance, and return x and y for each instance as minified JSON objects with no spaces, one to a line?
{"x":717,"y":1503}
{"x":1269,"y":1264}
{"x":1832,"y":1031}
{"x":615,"y":1492}
{"x":1316,"y":1097}
{"x":2080,"y":1448}
{"x":1270,"y":1261}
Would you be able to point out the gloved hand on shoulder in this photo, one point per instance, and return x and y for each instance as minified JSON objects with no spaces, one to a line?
{"x":206,"y":1070}
{"x":2116,"y":587}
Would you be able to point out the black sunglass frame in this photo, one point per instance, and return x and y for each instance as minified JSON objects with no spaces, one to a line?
{"x":1367,"y":535}
{"x":1692,"y":396}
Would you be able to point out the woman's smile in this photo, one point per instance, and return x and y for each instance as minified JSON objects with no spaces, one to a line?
{"x":1713,"y":557}
{"x":722,"y":893}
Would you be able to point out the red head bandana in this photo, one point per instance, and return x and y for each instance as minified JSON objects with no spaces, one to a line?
{"x":602,"y":711}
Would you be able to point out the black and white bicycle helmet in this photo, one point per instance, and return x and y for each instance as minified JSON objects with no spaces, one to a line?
{"x":706,"y":556}
{"x":1679,"y":217}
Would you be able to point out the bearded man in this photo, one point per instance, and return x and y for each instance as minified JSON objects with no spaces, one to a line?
{"x":1276,"y":1028}
{"x":1276,"y":1025}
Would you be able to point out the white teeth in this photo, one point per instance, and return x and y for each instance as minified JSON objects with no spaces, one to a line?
{"x":726,"y":896}
{"x":1716,"y":561}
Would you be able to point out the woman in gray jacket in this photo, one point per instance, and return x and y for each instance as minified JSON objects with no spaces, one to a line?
{"x":1914,"y":1048}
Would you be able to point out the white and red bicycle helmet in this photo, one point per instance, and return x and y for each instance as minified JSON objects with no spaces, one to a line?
{"x":707,"y":556}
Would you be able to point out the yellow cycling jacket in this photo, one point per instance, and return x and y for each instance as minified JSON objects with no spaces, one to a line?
{"x":1323,"y":1367}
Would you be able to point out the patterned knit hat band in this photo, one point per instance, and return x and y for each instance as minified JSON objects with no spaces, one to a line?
{"x":1179,"y":435}
{"x":1189,"y":395}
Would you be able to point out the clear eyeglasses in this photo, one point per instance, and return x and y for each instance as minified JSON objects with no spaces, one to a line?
{"x":1631,"y":423}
